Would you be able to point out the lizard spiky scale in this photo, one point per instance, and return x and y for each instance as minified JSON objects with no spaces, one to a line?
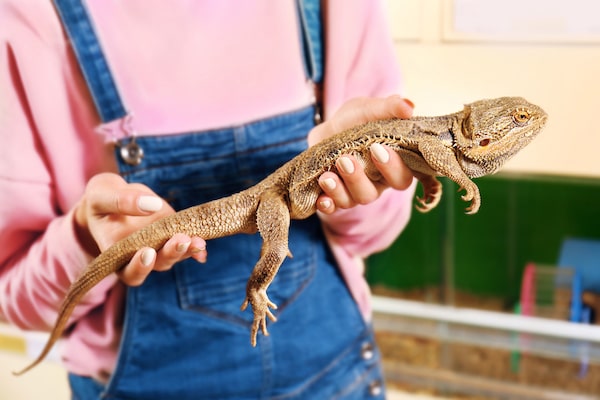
{"x":470,"y":143}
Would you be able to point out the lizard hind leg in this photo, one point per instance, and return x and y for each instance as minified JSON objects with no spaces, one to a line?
{"x":273,"y":222}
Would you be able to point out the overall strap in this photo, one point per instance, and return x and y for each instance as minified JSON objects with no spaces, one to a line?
{"x":310,"y":15}
{"x":80,"y":29}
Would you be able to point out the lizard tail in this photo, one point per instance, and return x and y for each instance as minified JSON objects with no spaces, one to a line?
{"x":63,"y":316}
{"x":193,"y":221}
{"x":101,"y":267}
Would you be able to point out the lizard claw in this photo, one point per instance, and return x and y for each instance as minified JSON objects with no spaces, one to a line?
{"x":260,"y":303}
{"x":472,"y":195}
{"x":473,"y":207}
{"x":432,"y":193}
{"x":428,"y":202}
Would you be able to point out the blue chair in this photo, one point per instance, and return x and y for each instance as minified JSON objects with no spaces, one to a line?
{"x":583,"y":256}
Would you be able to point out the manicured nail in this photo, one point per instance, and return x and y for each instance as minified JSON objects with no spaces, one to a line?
{"x":183,"y":247}
{"x":196,"y":254}
{"x":148,"y":257}
{"x":196,"y":250}
{"x":346,"y":165}
{"x":150,"y":203}
{"x":329,"y":183}
{"x":325,"y":204}
{"x":380,"y":153}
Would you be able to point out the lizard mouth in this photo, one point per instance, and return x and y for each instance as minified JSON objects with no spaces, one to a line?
{"x":491,"y":156}
{"x":516,"y":139}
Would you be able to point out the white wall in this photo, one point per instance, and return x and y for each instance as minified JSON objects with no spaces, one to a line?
{"x":563,"y":78}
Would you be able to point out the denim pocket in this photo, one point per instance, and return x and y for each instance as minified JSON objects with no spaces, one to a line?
{"x":218,"y":288}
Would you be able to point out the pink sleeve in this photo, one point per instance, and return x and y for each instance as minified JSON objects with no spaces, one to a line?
{"x":360,"y":55}
{"x":36,"y":269}
{"x":41,"y":136}
{"x":356,"y":233}
{"x":361,"y":61}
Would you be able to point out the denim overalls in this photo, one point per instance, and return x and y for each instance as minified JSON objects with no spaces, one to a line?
{"x":184,"y":336}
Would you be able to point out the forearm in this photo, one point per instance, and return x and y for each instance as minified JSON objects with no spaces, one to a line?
{"x":36,"y":272}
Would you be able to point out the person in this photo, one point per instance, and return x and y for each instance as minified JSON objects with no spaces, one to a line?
{"x":216,"y":96}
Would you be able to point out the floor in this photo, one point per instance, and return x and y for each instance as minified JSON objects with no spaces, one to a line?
{"x":50,"y":378}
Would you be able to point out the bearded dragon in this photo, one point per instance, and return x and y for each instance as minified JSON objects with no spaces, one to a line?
{"x":467,"y":144}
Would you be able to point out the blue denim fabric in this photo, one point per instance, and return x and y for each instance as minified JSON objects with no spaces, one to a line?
{"x":311,"y":33}
{"x":85,"y":44}
{"x":184,"y":335}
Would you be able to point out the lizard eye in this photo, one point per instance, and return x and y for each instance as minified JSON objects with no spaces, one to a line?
{"x":484,"y":142}
{"x":521,"y":117}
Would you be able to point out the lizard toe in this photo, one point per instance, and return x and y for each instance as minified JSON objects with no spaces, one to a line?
{"x":261,"y":306}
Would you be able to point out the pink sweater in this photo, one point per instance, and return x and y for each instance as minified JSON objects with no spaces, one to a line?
{"x":180,"y":66}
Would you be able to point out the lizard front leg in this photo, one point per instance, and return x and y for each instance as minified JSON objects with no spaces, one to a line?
{"x":273,"y":222}
{"x":432,"y":188}
{"x":442,"y":159}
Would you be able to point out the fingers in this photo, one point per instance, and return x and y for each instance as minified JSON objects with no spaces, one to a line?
{"x":351,"y":186}
{"x":110,"y":194}
{"x":139,"y":267}
{"x":146,"y":260}
{"x":395,"y":173}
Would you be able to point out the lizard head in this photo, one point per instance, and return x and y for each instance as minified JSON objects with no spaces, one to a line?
{"x":494,"y":130}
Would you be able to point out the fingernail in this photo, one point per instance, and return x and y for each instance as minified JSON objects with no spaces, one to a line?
{"x":183,"y":247}
{"x":409,"y":102}
{"x":325,"y":204}
{"x":196,"y":250}
{"x":150,"y":203}
{"x":380,"y":153}
{"x":346,"y":165}
{"x":197,"y":254}
{"x":148,"y":257}
{"x":329,"y":183}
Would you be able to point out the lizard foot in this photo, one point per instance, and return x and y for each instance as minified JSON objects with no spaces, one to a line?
{"x":260,"y":303}
{"x":472,"y":195}
{"x":428,"y":202}
{"x":432,"y":193}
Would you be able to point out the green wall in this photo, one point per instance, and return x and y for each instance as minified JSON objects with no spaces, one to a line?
{"x":522,"y":218}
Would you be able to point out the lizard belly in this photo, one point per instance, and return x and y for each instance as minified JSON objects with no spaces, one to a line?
{"x":303,"y":199}
{"x":415,"y":162}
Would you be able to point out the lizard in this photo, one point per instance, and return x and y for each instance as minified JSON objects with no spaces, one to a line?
{"x":470,"y":143}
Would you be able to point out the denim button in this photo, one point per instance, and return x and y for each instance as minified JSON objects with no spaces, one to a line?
{"x":366,"y":351}
{"x":375,"y":388}
{"x":132,"y":153}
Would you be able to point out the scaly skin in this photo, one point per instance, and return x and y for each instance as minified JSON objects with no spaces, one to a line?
{"x":471,"y":143}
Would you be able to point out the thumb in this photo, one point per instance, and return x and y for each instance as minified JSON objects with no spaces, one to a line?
{"x":128,"y":202}
{"x":111,"y":194}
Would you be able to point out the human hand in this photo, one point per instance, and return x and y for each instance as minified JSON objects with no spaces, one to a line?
{"x":351,"y":186}
{"x":111,"y":209}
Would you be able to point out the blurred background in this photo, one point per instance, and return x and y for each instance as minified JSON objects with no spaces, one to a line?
{"x":508,"y":298}
{"x":506,"y":303}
